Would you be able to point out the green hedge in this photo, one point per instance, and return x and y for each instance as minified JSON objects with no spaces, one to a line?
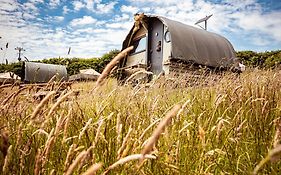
{"x":271,"y":59}
{"x":76,"y":64}
{"x":73,"y":64}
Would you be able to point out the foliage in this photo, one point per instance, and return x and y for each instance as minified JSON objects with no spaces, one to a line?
{"x":270,"y":59}
{"x":73,"y":64}
{"x":76,"y":64}
{"x":227,"y":126}
{"x":13,"y":67}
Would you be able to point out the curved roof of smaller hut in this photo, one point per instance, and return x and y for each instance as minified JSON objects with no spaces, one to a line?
{"x":40,"y":72}
{"x":197,"y":45}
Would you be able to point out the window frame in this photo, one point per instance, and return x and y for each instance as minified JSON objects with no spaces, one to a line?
{"x":139,"y":38}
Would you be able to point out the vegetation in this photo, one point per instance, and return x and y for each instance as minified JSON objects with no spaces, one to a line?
{"x":266,"y":60}
{"x":225,"y":126}
{"x":73,"y":64}
{"x":270,"y":59}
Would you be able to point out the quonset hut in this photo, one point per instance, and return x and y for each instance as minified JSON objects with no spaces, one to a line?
{"x":162,"y":45}
{"x":42,"y":73}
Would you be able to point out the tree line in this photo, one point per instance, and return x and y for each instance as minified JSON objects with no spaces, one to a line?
{"x":267,"y":60}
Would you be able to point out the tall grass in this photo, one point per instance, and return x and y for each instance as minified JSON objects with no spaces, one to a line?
{"x":224,"y":126}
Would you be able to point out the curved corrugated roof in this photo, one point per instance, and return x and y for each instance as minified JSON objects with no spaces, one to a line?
{"x":194,"y":44}
{"x":40,"y":72}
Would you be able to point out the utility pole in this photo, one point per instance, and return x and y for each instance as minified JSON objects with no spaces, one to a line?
{"x":20,"y":49}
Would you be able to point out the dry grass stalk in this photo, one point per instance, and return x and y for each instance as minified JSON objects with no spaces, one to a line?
{"x":89,"y":157}
{"x":84,"y":128}
{"x":129,"y":158}
{"x":146,"y":129}
{"x":201,"y":135}
{"x":49,"y":143}
{"x":112,"y":63}
{"x":84,"y":159}
{"x":123,"y":146}
{"x":76,"y":162}
{"x":160,"y":128}
{"x":219,"y":128}
{"x":40,"y":131}
{"x":277,"y":136}
{"x":68,"y":118}
{"x":60,"y":124}
{"x":53,"y":172}
{"x":26,"y":150}
{"x":97,"y":133}
{"x":41,"y":104}
{"x":187,"y":125}
{"x":273,"y":155}
{"x":19,"y":136}
{"x":13,"y":95}
{"x":4,"y":143}
{"x":182,"y":108}
{"x":69,"y":156}
{"x":7,"y":160}
{"x":239,"y":128}
{"x":137,"y":73}
{"x":60,"y":100}
{"x":79,"y":148}
{"x":50,"y":135}
{"x":5,"y":86}
{"x":118,"y":128}
{"x":38,"y":161}
{"x":93,"y":169}
{"x":118,"y":122}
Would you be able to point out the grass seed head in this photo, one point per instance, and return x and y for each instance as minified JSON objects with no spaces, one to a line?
{"x":76,"y":162}
{"x":160,"y":128}
{"x":93,"y":169}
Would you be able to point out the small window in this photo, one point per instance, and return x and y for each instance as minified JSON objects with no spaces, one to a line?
{"x":139,"y":45}
{"x":167,"y":36}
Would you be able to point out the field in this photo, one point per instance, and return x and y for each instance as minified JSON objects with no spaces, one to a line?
{"x":226,"y":126}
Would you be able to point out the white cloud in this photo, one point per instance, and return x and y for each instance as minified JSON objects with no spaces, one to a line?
{"x":78,"y":5}
{"x":118,"y":25}
{"x":106,"y":8}
{"x":90,"y":4}
{"x":21,"y":24}
{"x":36,"y":1}
{"x":85,"y":20}
{"x":129,"y":9}
{"x":53,"y":19}
{"x":267,"y":23}
{"x":9,"y":5}
{"x":65,"y":10}
{"x":28,"y":16}
{"x":54,"y":3}
{"x":237,"y":16}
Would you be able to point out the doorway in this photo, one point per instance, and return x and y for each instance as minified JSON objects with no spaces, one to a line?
{"x":156,"y":46}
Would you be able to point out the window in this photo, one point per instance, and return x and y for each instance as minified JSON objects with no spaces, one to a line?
{"x":139,"y":45}
{"x":167,"y":36}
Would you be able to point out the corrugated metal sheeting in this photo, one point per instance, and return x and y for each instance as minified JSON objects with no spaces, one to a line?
{"x":40,"y":72}
{"x":193,"y":44}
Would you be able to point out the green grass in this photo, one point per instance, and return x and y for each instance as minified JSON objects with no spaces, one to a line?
{"x":226,"y":127}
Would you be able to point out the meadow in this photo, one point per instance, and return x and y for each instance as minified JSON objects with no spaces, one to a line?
{"x":226,"y":125}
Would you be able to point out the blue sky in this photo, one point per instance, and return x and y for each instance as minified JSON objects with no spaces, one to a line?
{"x":93,"y":27}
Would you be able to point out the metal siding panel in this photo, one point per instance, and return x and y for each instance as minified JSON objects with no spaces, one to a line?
{"x":193,"y":44}
{"x":39,"y":72}
{"x":156,"y":36}
{"x":136,"y":59}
